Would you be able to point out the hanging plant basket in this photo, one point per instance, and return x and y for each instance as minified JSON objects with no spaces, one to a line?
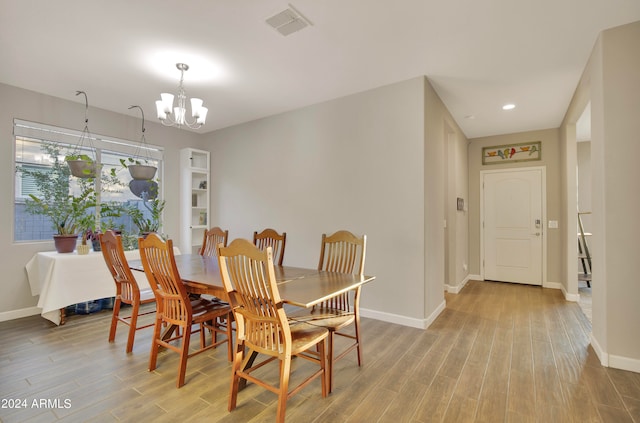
{"x":142,"y":172}
{"x":80,"y":163}
{"x":82,"y":167}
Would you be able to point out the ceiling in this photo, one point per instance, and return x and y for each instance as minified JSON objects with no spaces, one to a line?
{"x":478,"y":55}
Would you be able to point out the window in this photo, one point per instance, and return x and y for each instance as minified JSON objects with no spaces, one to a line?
{"x":31,"y":140}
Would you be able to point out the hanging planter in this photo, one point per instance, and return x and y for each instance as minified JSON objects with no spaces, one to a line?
{"x":138,"y":170}
{"x":81,"y":164}
{"x":142,"y":172}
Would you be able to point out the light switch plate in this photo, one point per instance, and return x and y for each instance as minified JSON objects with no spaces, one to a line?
{"x":553,"y":224}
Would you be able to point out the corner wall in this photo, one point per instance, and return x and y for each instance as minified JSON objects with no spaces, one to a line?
{"x":611,"y":82}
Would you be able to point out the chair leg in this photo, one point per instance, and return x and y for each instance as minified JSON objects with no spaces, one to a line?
{"x":235,"y":378}
{"x":285,"y":370}
{"x":229,"y":336}
{"x":133,"y":324}
{"x":114,"y":320}
{"x":153,"y":356}
{"x":357,"y":325}
{"x":184,"y":354}
{"x":203,"y":341}
{"x":323,"y":366}
{"x":329,"y":368}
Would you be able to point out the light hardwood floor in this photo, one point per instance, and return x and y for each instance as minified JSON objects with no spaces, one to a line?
{"x":498,"y":353}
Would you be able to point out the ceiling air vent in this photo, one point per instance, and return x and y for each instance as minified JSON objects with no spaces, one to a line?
{"x":288,"y":21}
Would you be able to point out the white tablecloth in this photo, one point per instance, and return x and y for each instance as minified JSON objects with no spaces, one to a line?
{"x":65,"y":279}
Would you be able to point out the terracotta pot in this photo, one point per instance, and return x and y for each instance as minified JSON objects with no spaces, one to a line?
{"x":142,"y":172}
{"x":65,"y":243}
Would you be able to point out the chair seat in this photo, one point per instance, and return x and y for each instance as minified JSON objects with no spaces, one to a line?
{"x":204,"y":309}
{"x":330,"y":318}
{"x":305,"y":335}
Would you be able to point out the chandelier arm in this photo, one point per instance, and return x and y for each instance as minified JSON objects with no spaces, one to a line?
{"x":179,"y":119}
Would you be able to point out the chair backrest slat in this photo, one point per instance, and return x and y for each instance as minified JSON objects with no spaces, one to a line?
{"x":342,"y":252}
{"x":271,"y":238}
{"x":161,"y":271}
{"x":212,"y":238}
{"x":113,"y":253}
{"x":249,"y":279}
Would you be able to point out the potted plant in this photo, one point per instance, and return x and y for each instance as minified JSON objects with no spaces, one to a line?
{"x":67,"y":211}
{"x":138,"y":166}
{"x":93,"y":230}
{"x":137,"y":170}
{"x":147,"y":224}
{"x":80,"y":164}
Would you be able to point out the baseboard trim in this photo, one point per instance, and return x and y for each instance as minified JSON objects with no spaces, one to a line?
{"x":558,"y":285}
{"x":624,"y":363}
{"x":456,"y":289}
{"x":17,"y":314}
{"x":433,"y":316}
{"x":602,"y":355}
{"x":404,"y":320}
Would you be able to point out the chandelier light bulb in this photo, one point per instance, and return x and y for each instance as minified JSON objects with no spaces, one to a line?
{"x":165,"y":106}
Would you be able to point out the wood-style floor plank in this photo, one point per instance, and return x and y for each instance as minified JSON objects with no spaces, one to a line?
{"x":498,"y":353}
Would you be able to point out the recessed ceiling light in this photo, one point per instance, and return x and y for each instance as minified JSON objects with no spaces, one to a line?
{"x":509,"y":106}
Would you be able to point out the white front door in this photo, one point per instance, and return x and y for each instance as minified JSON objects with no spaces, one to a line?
{"x":513,"y":225}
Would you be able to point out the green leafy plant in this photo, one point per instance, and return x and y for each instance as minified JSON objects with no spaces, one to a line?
{"x":67,"y":211}
{"x":147,"y":224}
{"x":131,"y":161}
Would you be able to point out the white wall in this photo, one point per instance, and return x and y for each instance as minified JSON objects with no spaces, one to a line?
{"x":16,"y":299}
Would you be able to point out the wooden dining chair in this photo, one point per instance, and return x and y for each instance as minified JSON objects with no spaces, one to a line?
{"x":127,"y":290}
{"x":271,"y":238}
{"x":212,"y":238}
{"x":262,"y":324}
{"x":341,"y":252}
{"x":176,"y":309}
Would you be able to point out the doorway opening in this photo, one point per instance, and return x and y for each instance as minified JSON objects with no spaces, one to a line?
{"x":584,"y":230}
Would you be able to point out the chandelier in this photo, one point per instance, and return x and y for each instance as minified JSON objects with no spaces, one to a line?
{"x":179,"y":117}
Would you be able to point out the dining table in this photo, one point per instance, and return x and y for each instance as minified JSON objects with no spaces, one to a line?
{"x":297,"y":286}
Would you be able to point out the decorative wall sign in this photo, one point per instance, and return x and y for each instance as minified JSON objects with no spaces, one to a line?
{"x":512,"y":153}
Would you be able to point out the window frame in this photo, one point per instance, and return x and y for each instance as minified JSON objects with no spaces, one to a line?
{"x":41,"y":133}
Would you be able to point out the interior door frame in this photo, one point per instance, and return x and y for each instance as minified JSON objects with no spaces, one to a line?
{"x":543,"y":182}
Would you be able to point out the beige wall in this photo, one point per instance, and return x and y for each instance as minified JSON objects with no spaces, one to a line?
{"x":31,"y":106}
{"x":352,"y":163}
{"x":446,"y":178}
{"x":370,"y":163}
{"x":611,"y":82}
{"x":550,"y":160}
